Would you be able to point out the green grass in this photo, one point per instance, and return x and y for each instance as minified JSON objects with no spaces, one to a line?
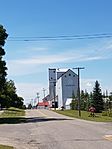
{"x":85,"y":115}
{"x":13,"y":112}
{"x":6,"y":147}
{"x":12,"y":115}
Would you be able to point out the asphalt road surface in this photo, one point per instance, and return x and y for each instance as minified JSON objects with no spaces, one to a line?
{"x":46,"y":129}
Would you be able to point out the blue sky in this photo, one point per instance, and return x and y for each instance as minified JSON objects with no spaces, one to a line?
{"x":28,"y":62}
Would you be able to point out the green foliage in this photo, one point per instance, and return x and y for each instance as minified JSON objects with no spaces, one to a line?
{"x":74,"y":104}
{"x":104,"y":113}
{"x":9,"y":98}
{"x":6,"y":147}
{"x":3,"y":36}
{"x":107,"y":113}
{"x":12,"y":112}
{"x":84,"y":103}
{"x":12,"y":116}
{"x":29,"y":106}
{"x":110,"y":114}
{"x":85,"y":115}
{"x":97,"y":100}
{"x":3,"y":68}
{"x":110,"y":96}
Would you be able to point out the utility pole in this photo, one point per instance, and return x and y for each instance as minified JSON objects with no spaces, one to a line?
{"x":44,"y":91}
{"x":78,"y":68}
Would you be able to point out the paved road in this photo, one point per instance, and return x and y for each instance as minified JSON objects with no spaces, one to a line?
{"x":48,"y":130}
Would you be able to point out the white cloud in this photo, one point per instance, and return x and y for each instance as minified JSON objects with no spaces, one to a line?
{"x":34,"y":63}
{"x":39,"y":49}
{"x":34,"y":49}
{"x":43,"y":59}
{"x":87,"y":84}
{"x":29,"y":90}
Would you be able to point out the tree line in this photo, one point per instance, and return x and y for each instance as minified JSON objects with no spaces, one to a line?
{"x":8,"y":95}
{"x":101,"y":101}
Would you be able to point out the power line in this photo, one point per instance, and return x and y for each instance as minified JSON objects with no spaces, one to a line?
{"x":60,"y":37}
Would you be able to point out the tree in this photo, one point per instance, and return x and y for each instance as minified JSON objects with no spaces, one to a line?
{"x":3,"y":68}
{"x":87,"y":100}
{"x":97,"y":100}
{"x":29,"y":106}
{"x":91,"y":98}
{"x":74,"y":102}
{"x":8,"y":95}
{"x":110,"y":96}
{"x":84,"y":100}
{"x":10,"y":92}
{"x":110,"y":101}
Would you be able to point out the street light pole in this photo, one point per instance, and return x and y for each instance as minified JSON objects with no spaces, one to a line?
{"x":44,"y":91}
{"x":78,"y":91}
{"x":38,"y":97}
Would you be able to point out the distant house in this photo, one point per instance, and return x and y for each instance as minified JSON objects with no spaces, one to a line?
{"x":43,"y":104}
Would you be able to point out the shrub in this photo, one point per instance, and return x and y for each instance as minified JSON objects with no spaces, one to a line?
{"x":110,"y":114}
{"x":107,"y":113}
{"x":104,"y":113}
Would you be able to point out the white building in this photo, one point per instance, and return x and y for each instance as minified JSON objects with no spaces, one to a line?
{"x":62,"y":85}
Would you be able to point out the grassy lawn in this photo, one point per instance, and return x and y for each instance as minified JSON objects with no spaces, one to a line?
{"x":85,"y":115}
{"x":13,"y":112}
{"x":12,"y":115}
{"x":6,"y":147}
{"x":9,"y":116}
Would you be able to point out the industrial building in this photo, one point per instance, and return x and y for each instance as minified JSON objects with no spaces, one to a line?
{"x":62,"y":86}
